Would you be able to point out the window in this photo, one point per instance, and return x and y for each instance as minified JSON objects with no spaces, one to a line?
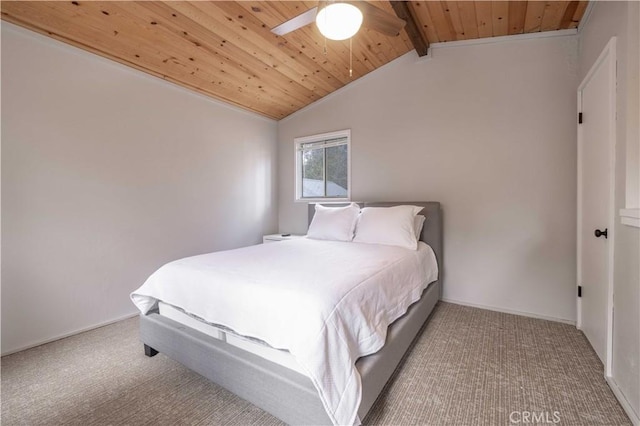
{"x":323,"y":166}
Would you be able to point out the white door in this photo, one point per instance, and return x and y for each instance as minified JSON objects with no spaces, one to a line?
{"x":596,"y":136}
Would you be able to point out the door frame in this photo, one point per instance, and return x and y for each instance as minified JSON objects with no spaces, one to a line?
{"x":606,"y":58}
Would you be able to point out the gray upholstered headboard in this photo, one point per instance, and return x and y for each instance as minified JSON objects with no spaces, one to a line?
{"x":431,"y":232}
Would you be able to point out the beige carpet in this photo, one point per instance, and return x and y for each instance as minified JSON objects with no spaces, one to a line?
{"x":469,"y":367}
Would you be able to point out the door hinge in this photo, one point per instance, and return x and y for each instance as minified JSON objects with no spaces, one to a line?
{"x":579,"y":291}
{"x":579,"y":118}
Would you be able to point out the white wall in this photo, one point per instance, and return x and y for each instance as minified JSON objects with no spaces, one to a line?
{"x":489,"y":130}
{"x":108,"y":173}
{"x":621,"y":19}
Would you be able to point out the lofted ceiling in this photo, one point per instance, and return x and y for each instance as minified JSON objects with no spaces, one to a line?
{"x":225,"y":49}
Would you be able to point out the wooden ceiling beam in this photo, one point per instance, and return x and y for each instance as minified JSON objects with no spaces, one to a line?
{"x":567,"y":18}
{"x":420,"y":43}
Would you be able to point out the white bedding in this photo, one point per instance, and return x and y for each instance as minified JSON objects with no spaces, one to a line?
{"x":328,"y":303}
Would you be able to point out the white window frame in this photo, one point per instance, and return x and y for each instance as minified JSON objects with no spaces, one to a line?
{"x":298,"y":169}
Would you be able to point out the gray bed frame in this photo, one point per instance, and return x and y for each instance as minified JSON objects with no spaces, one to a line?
{"x":287,"y":394}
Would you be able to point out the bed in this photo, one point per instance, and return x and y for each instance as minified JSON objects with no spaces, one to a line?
{"x":272,"y":384}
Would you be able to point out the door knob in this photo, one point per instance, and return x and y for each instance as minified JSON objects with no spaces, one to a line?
{"x":598,"y":233}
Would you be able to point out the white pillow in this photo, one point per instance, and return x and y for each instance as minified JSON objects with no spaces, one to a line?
{"x":334,"y":223}
{"x":418,"y":224}
{"x":394,"y":226}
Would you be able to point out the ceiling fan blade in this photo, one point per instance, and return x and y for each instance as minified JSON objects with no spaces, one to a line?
{"x":373,"y":18}
{"x":298,"y":22}
{"x":379,"y":20}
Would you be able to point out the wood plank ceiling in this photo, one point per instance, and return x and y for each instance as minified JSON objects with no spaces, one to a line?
{"x":225,"y":49}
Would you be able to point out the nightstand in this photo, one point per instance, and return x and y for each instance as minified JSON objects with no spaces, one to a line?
{"x":278,"y":237}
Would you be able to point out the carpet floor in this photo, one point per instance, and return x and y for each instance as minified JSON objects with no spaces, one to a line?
{"x":468,"y":367}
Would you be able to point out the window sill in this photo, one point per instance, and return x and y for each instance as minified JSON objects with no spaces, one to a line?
{"x":630,"y":217}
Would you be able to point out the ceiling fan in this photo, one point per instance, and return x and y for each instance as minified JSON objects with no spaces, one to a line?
{"x":327,"y":14}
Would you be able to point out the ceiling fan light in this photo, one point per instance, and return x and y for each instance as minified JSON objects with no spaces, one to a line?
{"x":339,"y":21}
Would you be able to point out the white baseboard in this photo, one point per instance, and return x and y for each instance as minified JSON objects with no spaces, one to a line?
{"x":633,"y":416}
{"x":73,"y":333}
{"x":510,"y":311}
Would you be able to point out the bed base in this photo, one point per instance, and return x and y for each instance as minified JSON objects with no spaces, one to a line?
{"x":149,"y":351}
{"x":284,"y":393}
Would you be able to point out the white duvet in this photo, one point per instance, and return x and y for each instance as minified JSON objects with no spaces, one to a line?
{"x":328,"y":303}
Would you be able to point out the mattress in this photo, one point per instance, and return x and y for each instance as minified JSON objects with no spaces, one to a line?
{"x":279,"y":356}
